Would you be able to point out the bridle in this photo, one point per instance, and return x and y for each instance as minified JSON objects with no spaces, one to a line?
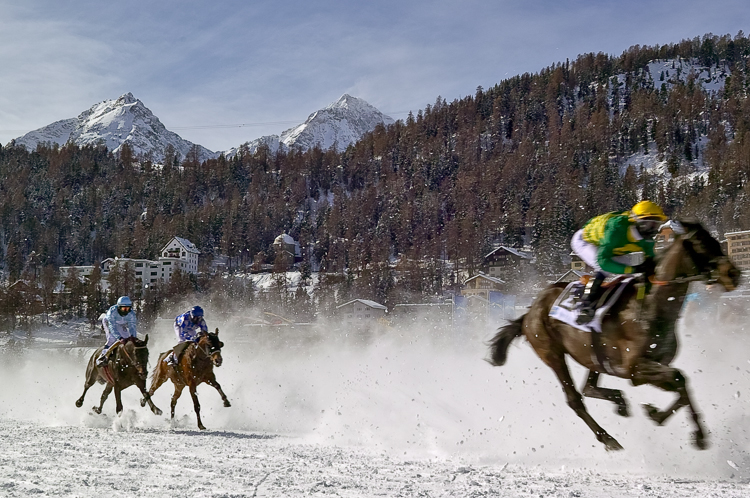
{"x":707,"y":267}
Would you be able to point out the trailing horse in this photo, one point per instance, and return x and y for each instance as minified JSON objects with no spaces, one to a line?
{"x":637,"y":339}
{"x":127,"y":366}
{"x":196,"y":366}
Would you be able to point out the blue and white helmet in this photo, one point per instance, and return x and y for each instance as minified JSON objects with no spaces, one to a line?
{"x":124,"y":301}
{"x":196,"y":311}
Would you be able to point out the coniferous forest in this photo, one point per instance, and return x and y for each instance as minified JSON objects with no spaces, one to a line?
{"x":526,"y":161}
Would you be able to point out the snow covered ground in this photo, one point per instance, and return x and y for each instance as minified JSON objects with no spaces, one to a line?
{"x":343,"y":413}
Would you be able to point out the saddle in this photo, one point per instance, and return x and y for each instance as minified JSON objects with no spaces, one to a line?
{"x":566,"y":306}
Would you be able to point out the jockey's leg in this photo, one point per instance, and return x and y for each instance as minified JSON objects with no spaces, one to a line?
{"x":590,"y":296}
{"x":102,"y":360}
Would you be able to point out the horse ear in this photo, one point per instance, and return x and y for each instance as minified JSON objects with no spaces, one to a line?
{"x":145,"y":339}
{"x":217,"y":331}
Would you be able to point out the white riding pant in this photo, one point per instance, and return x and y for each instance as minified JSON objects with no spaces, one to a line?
{"x":589,"y":253}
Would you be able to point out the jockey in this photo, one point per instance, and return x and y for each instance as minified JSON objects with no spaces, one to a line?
{"x":188,"y":327}
{"x":118,"y":323}
{"x":605,"y":239}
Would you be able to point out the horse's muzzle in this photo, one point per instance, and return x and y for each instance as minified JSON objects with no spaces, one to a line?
{"x":217,"y":359}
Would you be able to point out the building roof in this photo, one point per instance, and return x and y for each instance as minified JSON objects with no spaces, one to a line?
{"x":485,"y":276}
{"x":366,"y":302}
{"x":577,"y":273}
{"x":516,"y":252}
{"x":189,"y":246}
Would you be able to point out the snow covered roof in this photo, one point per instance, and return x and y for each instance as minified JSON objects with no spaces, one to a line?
{"x":516,"y":252}
{"x":366,"y":302}
{"x":485,"y":276}
{"x":577,"y":273}
{"x":189,"y":246}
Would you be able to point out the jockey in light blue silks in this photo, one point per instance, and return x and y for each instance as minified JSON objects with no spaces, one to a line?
{"x":118,"y":323}
{"x":188,"y":327}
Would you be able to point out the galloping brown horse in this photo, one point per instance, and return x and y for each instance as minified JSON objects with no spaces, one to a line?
{"x":128,"y":365}
{"x":195,"y":367}
{"x":638,"y":336}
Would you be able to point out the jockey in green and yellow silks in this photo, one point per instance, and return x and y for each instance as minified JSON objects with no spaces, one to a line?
{"x":604,"y":239}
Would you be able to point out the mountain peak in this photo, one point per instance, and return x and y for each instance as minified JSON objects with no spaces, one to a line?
{"x":114,"y":122}
{"x":126,"y":98}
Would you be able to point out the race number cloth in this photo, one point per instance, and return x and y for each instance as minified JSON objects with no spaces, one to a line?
{"x":565,"y":307}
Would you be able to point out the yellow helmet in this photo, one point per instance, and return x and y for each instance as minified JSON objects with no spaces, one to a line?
{"x":647,"y":210}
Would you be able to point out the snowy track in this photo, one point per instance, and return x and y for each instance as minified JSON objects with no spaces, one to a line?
{"x":394,"y":416}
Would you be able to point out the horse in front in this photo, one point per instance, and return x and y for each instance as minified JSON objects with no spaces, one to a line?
{"x":637,"y":338}
{"x":196,"y":366}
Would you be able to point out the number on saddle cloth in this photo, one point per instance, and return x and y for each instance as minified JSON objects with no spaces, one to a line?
{"x":565,"y":307}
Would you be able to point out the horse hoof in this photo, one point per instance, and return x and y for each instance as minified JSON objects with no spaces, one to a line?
{"x":97,"y":410}
{"x":157,"y":411}
{"x":700,"y":442}
{"x":79,"y":403}
{"x":143,"y":402}
{"x":200,"y":426}
{"x":623,"y":411}
{"x":653,"y":413}
{"x":227,"y":403}
{"x":610,"y":443}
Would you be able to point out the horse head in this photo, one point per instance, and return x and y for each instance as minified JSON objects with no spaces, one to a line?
{"x":211,"y":346}
{"x":701,"y":255}
{"x":137,"y":352}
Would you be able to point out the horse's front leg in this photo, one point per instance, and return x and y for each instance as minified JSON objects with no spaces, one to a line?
{"x":105,"y":395}
{"x":592,"y":390}
{"x":215,"y":385}
{"x":196,"y":406}
{"x":118,"y":399}
{"x":669,"y":379}
{"x":147,"y":398}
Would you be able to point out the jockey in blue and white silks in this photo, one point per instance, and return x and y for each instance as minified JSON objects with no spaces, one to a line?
{"x":187,"y":327}
{"x":119,"y":322}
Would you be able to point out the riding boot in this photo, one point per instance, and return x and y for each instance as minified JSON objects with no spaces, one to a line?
{"x":587,"y":309}
{"x":102,"y":360}
{"x":171,"y":360}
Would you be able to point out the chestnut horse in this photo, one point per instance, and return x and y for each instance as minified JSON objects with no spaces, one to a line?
{"x":638,"y":335}
{"x":128,"y":365}
{"x":195,"y":367}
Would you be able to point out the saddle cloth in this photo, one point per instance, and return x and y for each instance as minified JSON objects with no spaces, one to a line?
{"x":565,"y":307}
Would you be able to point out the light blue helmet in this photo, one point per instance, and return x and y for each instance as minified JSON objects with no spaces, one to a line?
{"x":124,"y":301}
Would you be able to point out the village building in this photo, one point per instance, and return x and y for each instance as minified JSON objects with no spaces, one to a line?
{"x":481,"y":285}
{"x":178,"y":254}
{"x":507,"y":263}
{"x":361,"y":310}
{"x":738,"y":249}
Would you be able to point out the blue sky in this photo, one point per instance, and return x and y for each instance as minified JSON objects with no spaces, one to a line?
{"x":199,"y":65}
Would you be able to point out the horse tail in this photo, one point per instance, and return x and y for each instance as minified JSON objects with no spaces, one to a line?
{"x":500,"y":343}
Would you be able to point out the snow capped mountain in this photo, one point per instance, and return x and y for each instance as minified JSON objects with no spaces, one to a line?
{"x":115,"y":122}
{"x":341,"y":123}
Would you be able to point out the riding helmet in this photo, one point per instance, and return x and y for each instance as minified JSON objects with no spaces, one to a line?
{"x":196,"y":311}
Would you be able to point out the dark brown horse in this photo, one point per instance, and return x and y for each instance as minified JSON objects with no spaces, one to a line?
{"x":195,"y":367}
{"x":638,"y":337}
{"x":127,"y":366}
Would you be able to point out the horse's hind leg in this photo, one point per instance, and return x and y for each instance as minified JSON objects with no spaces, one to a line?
{"x":592,"y":390}
{"x":105,"y":395}
{"x":147,"y":398}
{"x":196,"y":407}
{"x":215,"y":385}
{"x":176,"y":396}
{"x":575,"y":400}
{"x":669,"y":379}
